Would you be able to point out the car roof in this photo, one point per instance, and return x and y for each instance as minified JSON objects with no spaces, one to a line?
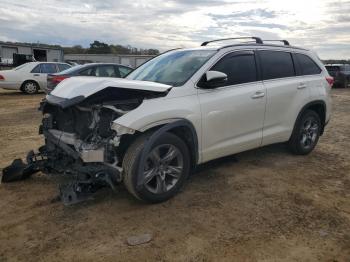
{"x":248,"y":45}
{"x":94,"y":64}
{"x":39,"y":62}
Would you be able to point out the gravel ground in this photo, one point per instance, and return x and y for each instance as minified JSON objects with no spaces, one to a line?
{"x":261,"y":205}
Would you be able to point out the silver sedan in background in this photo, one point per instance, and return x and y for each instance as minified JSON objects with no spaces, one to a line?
{"x":30,"y":77}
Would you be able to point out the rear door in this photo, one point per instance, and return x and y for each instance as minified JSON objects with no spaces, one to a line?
{"x":286,"y":94}
{"x":233,"y":114}
{"x":310,"y":73}
{"x":40,"y":72}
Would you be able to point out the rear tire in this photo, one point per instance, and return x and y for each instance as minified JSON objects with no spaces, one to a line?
{"x":30,"y":87}
{"x":306,"y":133}
{"x":166,"y":168}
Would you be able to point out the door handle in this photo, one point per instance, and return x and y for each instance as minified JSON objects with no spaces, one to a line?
{"x":36,"y":75}
{"x":301,"y":86}
{"x":258,"y":94}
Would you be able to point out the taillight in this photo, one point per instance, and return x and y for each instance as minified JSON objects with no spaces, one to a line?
{"x":2,"y":78}
{"x":330,"y":80}
{"x":58,"y":79}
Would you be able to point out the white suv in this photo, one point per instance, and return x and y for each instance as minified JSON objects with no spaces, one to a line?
{"x":180,"y":109}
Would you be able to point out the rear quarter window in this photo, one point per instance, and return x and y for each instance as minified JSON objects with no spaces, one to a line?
{"x":306,"y":65}
{"x":36,"y":69}
{"x":276,"y":64}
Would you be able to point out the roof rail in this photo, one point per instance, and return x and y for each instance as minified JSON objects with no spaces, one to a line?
{"x":257,"y":40}
{"x":285,"y":42}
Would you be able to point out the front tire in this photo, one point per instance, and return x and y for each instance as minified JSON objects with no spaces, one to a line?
{"x":30,"y":87}
{"x":306,"y":133}
{"x":165,"y":170}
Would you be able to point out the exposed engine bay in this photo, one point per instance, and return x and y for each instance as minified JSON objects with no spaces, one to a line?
{"x":80,"y":142}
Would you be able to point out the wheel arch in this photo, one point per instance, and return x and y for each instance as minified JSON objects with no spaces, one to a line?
{"x":318,"y":106}
{"x":29,"y":80}
{"x":182,"y":128}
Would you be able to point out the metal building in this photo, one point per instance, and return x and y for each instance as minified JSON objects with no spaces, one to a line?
{"x":40,"y":52}
{"x":128,"y":60}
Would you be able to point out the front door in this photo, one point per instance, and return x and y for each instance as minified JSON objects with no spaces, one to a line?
{"x":233,"y":114}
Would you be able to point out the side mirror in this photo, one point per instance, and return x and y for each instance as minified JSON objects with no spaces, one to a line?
{"x":213,"y":79}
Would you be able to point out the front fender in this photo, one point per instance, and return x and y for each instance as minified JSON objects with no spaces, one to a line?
{"x":153,"y":138}
{"x":159,"y":111}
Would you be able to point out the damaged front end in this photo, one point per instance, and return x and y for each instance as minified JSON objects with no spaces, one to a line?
{"x":80,"y":142}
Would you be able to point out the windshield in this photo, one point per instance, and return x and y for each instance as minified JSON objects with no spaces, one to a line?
{"x":172,"y":68}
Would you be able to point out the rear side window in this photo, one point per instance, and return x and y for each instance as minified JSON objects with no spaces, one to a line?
{"x":276,"y":64}
{"x":123,"y":71}
{"x":105,"y":71}
{"x":238,"y":66}
{"x":62,"y":67}
{"x":88,"y":72}
{"x":307,"y":65}
{"x":48,"y":68}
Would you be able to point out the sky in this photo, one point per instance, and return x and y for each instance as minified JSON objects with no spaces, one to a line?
{"x":321,"y":25}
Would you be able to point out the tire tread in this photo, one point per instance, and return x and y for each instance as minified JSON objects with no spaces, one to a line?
{"x":130,"y":162}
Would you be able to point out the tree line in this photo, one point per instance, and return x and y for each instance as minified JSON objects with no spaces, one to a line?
{"x":98,"y":47}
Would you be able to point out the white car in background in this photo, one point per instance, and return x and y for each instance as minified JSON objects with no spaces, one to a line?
{"x":30,"y":77}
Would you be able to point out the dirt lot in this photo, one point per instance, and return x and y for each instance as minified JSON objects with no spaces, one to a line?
{"x":262,"y":205}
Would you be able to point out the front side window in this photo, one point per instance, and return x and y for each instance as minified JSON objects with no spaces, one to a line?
{"x":48,"y":68}
{"x":172,"y":68}
{"x":307,"y":65}
{"x":276,"y":64}
{"x":239,"y":67}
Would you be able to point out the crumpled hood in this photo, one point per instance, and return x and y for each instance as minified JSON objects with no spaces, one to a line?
{"x":86,"y":86}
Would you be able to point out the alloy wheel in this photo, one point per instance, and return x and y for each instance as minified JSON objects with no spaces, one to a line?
{"x":309,"y":133}
{"x":30,"y":88}
{"x":163,"y":168}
